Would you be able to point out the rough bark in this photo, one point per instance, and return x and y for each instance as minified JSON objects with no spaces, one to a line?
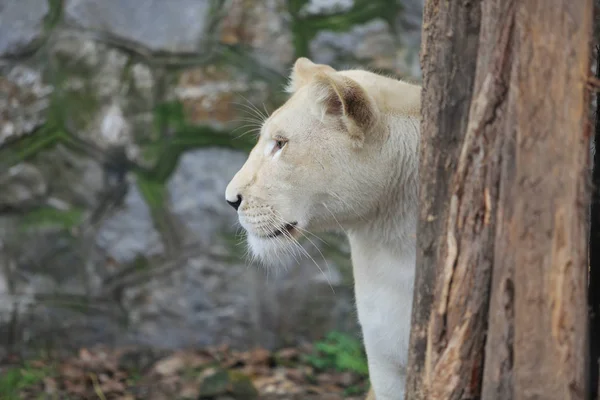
{"x":594,"y":273}
{"x":550,"y":198}
{"x":448,"y":59}
{"x":503,"y":201}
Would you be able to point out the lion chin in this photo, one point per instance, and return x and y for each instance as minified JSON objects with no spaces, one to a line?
{"x":272,"y":251}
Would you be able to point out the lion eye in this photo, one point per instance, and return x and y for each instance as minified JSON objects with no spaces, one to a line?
{"x":280,"y":143}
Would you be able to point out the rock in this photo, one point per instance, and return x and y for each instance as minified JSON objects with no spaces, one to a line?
{"x":409,"y":23}
{"x":226,"y":97}
{"x":189,"y":301}
{"x":129,"y":232}
{"x":23,"y":187}
{"x":24,"y":99}
{"x":197,"y":200}
{"x":75,"y":181}
{"x":114,"y":227}
{"x":233,"y":383}
{"x":21,"y":24}
{"x":369,"y":45}
{"x":113,"y":97}
{"x":325,"y":7}
{"x":173,"y":26}
{"x":211,"y":94}
{"x":170,"y":365}
{"x":372,"y":44}
{"x":262,"y":25}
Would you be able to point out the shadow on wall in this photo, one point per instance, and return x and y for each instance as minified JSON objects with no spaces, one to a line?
{"x":117,"y":139}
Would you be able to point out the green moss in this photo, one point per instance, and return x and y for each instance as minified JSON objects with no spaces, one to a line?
{"x":155,"y":195}
{"x":237,"y":55}
{"x":76,"y":303}
{"x":304,"y":28}
{"x":51,"y":217}
{"x":192,"y":137}
{"x":54,"y":13}
{"x":362,"y":12}
{"x":27,"y":146}
{"x":73,"y":108}
{"x":17,"y":379}
{"x":141,"y":263}
{"x":153,"y":191}
{"x":301,"y":33}
{"x":179,"y":137}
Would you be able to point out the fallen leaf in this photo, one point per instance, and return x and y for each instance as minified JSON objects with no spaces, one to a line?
{"x":170,"y":365}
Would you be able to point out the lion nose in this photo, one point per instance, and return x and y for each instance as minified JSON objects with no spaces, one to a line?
{"x":235,"y":204}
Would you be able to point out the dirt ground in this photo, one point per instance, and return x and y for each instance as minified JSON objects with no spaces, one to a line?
{"x":203,"y":374}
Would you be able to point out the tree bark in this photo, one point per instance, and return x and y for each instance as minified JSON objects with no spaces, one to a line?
{"x":504,"y":197}
{"x":448,"y":59}
{"x":594,"y":273}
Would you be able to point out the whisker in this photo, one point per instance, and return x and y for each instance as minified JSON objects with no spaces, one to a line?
{"x":266,"y":112}
{"x":249,"y":119}
{"x":251,"y":108}
{"x":265,"y":115}
{"x":322,"y":256}
{"x":344,"y":202}
{"x":276,"y":217}
{"x":254,"y":130}
{"x":335,"y":219}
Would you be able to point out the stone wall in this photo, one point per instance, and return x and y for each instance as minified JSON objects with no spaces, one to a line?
{"x":121,"y":122}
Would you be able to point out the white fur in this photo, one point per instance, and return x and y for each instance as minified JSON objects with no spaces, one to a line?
{"x":323,"y":179}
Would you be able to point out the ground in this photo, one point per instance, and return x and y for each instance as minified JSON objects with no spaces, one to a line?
{"x":333,"y":369}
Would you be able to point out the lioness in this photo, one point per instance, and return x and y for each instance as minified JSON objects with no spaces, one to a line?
{"x":342,"y":152}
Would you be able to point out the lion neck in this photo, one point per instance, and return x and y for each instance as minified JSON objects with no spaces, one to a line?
{"x":388,"y":232}
{"x":392,"y":221}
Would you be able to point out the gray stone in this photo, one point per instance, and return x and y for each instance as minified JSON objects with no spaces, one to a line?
{"x":24,"y":99}
{"x":74,"y":180}
{"x":264,"y":26}
{"x":201,"y":301}
{"x":222,"y":96}
{"x":371,"y":45}
{"x":206,"y":299}
{"x":409,"y":23}
{"x":170,"y":26}
{"x":198,"y":200}
{"x":88,"y":261}
{"x":325,"y":7}
{"x":21,"y":24}
{"x":112,"y":100}
{"x":23,"y":186}
{"x":130,"y":232}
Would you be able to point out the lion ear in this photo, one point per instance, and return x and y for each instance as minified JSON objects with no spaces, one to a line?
{"x":303,"y":72}
{"x":342,"y":97}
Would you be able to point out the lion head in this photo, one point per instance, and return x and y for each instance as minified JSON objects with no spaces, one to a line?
{"x":319,"y":164}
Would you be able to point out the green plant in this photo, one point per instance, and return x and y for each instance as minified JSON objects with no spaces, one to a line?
{"x":16,"y":379}
{"x":341,"y":352}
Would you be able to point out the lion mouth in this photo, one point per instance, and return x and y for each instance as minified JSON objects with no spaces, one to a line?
{"x":286,"y":230}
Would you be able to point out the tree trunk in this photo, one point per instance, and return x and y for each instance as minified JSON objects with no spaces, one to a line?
{"x":594,"y":278}
{"x":502,"y":226}
{"x":448,"y":59}
{"x":594,"y":273}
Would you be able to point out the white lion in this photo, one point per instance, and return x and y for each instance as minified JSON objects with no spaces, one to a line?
{"x":342,"y":152}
